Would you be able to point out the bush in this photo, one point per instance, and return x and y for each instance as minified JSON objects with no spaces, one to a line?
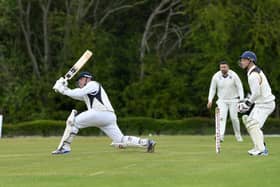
{"x":38,"y":127}
{"x":42,"y":128}
{"x":132,"y":125}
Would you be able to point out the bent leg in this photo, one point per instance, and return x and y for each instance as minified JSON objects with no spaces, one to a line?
{"x":256,"y":134}
{"x":69,"y":133}
{"x":119,"y":140}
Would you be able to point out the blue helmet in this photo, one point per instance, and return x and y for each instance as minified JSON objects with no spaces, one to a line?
{"x":85,"y":74}
{"x":250,"y":55}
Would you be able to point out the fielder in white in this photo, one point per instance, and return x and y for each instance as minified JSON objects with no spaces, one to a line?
{"x":100,"y":114}
{"x":230,"y":91}
{"x":260,"y":104}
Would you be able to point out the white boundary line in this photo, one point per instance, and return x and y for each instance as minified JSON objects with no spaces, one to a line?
{"x":97,"y":173}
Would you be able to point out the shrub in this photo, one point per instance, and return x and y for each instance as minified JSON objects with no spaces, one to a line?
{"x":132,"y":125}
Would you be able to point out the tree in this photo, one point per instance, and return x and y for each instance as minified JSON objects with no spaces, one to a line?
{"x":167,"y":31}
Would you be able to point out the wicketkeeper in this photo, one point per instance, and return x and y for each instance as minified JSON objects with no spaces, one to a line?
{"x":260,"y":104}
{"x":100,"y":114}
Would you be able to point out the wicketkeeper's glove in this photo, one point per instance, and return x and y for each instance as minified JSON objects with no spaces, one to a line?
{"x":244,"y":106}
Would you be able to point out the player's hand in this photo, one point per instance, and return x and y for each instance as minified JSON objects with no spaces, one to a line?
{"x":209,"y":105}
{"x":63,"y":81}
{"x":244,"y":106}
{"x":60,"y":85}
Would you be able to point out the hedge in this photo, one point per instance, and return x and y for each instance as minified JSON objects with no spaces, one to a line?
{"x":132,"y":125}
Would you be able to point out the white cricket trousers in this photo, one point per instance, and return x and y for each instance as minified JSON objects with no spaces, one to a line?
{"x":230,"y":106}
{"x":261,"y":112}
{"x":104,"y":120}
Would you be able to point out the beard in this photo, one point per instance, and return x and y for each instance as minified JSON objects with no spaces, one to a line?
{"x":224,"y":72}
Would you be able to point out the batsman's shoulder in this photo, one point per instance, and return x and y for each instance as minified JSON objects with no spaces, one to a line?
{"x":253,"y":75}
{"x":93,"y":83}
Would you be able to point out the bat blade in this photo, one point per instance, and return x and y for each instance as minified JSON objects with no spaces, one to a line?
{"x":78,"y":65}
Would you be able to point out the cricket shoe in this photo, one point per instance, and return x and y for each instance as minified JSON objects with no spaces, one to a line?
{"x":259,"y":153}
{"x":251,"y":151}
{"x":239,"y":139}
{"x":151,"y":146}
{"x":61,"y":151}
{"x":266,"y":151}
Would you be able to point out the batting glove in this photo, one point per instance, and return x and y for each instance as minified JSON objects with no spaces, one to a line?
{"x":60,"y":85}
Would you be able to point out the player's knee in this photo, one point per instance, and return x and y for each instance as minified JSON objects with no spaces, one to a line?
{"x":244,"y":119}
{"x":235,"y":119}
{"x":71,"y":118}
{"x":75,"y":130}
{"x":251,"y":123}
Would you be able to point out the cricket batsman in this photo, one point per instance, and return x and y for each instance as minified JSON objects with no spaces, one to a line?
{"x":100,"y":114}
{"x":230,"y":91}
{"x":260,"y":103}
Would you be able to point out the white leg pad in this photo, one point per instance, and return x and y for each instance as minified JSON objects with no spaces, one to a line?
{"x":255,"y":133}
{"x":131,"y":141}
{"x":244,"y":119}
{"x":70,"y":131}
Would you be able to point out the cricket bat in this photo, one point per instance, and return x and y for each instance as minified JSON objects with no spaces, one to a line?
{"x":78,"y":65}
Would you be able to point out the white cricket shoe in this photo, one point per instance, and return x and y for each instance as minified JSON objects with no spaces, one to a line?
{"x":251,"y":151}
{"x":239,"y":138}
{"x":258,"y":153}
{"x":61,"y":151}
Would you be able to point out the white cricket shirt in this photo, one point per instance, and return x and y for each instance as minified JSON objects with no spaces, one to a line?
{"x":228,"y":88}
{"x":94,"y":96}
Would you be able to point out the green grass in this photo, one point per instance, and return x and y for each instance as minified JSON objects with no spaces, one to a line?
{"x":178,"y":161}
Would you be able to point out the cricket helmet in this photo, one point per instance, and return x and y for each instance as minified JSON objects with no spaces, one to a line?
{"x":85,"y":74}
{"x":250,"y":55}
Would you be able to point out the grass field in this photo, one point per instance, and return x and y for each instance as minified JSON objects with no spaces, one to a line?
{"x":178,"y":161}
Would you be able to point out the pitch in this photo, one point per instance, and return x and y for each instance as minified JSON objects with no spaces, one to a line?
{"x":178,"y":161}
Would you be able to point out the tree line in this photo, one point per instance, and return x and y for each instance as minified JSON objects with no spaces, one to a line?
{"x":155,"y":58}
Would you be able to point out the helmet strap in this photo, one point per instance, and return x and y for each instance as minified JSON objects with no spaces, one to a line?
{"x":247,"y":68}
{"x":87,"y":81}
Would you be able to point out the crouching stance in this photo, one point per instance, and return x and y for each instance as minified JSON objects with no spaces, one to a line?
{"x":260,"y":104}
{"x":100,"y":114}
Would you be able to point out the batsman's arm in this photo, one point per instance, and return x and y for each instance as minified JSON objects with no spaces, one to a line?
{"x":254,"y":84}
{"x":71,"y":93}
{"x":79,"y":93}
